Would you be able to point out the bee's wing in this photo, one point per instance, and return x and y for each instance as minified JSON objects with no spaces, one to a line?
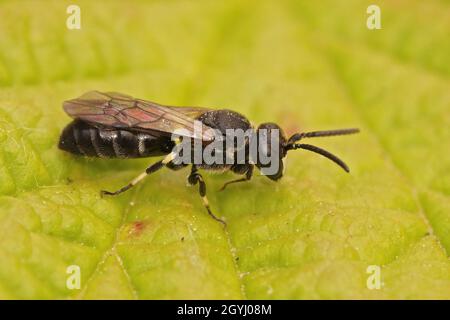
{"x":121,"y":111}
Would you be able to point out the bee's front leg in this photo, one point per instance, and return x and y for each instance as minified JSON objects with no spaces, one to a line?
{"x":248,"y":176}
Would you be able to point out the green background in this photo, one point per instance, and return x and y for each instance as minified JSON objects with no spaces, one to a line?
{"x":307,"y":65}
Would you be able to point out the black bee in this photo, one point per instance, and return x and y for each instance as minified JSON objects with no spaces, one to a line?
{"x":113,"y":125}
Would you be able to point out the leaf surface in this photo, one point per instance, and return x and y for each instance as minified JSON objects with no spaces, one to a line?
{"x":305,"y":65}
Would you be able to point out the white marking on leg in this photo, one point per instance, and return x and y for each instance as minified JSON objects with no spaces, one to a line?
{"x":138,"y":178}
{"x":169,"y":158}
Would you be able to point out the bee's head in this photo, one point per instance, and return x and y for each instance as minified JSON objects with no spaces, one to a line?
{"x":273,"y":144}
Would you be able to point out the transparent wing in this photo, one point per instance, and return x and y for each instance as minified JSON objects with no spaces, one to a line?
{"x":122,"y":111}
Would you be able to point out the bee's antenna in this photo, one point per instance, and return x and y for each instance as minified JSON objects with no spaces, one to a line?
{"x":326,"y":133}
{"x":322,"y":152}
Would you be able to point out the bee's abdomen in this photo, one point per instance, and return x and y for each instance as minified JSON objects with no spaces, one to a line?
{"x":82,"y":138}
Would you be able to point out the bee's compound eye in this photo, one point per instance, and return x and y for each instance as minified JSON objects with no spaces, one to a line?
{"x":268,"y":126}
{"x":269,"y":131}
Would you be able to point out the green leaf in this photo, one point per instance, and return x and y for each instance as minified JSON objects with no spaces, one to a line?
{"x":305,"y":65}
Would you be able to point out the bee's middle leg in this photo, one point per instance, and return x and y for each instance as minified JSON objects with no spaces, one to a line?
{"x":195,"y":178}
{"x":153,"y":168}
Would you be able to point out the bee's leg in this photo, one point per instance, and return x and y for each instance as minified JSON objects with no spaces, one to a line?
{"x":153,"y":168}
{"x":248,"y":176}
{"x":195,"y":178}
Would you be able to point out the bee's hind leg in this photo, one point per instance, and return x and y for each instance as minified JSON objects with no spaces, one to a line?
{"x":153,"y":168}
{"x":195,"y":178}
